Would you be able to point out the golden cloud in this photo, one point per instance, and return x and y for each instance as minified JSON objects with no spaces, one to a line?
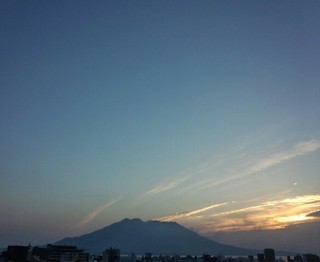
{"x":273,"y":214}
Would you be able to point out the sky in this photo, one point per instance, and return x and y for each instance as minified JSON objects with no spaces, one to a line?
{"x":205,"y":113}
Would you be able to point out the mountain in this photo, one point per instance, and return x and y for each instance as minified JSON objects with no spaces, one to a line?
{"x":166,"y":238}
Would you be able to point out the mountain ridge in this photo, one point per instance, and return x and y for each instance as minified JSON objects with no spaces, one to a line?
{"x":166,"y":238}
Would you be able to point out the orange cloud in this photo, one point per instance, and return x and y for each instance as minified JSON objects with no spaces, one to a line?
{"x":265,"y":215}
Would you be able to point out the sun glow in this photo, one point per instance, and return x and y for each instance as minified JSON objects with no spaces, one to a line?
{"x":293,"y":219}
{"x":234,"y":216}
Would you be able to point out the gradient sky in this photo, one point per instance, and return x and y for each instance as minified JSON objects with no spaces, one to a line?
{"x":202,"y":112}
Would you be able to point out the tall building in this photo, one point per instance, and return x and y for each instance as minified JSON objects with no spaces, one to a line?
{"x":260,"y":257}
{"x":18,"y":253}
{"x":147,"y":257}
{"x":111,"y":255}
{"x":269,"y":255}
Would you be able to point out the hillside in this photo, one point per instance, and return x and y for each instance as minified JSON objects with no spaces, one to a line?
{"x":134,"y":235}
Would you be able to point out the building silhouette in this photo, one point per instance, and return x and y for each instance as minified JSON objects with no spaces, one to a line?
{"x":111,"y":255}
{"x":18,"y":253}
{"x":260,"y":257}
{"x":40,"y":253}
{"x":269,"y":255}
{"x":59,"y":253}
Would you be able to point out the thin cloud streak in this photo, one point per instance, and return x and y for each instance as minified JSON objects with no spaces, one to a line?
{"x":299,"y":149}
{"x":201,"y":178}
{"x":162,"y":188}
{"x":203,"y":169}
{"x":189,"y":175}
{"x":189,"y":213}
{"x":94,"y":213}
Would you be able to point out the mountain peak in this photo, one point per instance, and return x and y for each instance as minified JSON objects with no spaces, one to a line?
{"x":134,"y":235}
{"x":131,"y":220}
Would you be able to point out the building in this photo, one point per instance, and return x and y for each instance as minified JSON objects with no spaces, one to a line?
{"x":58,"y":253}
{"x":40,"y":253}
{"x":18,"y":253}
{"x":260,"y":257}
{"x":269,"y":255}
{"x":111,"y":255}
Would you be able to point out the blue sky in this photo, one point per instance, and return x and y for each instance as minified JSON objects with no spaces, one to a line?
{"x":172,"y":110}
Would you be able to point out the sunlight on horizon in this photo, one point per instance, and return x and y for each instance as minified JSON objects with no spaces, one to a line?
{"x":274,"y":214}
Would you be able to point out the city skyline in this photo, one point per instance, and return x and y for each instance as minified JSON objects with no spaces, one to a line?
{"x":203,"y":113}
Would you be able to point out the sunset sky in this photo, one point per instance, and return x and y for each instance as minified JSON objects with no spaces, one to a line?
{"x":206,"y":113}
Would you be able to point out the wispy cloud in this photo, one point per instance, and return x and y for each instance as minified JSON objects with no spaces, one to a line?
{"x":164,"y":187}
{"x":266,"y":215}
{"x":238,"y":163}
{"x":91,"y":216}
{"x":183,"y":177}
{"x":299,"y":149}
{"x":189,"y":213}
{"x":194,"y":173}
{"x":238,"y":216}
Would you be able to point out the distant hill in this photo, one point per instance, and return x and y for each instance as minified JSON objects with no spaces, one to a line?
{"x":300,"y":238}
{"x":166,"y":238}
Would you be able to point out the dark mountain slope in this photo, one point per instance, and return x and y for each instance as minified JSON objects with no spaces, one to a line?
{"x":134,"y":235}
